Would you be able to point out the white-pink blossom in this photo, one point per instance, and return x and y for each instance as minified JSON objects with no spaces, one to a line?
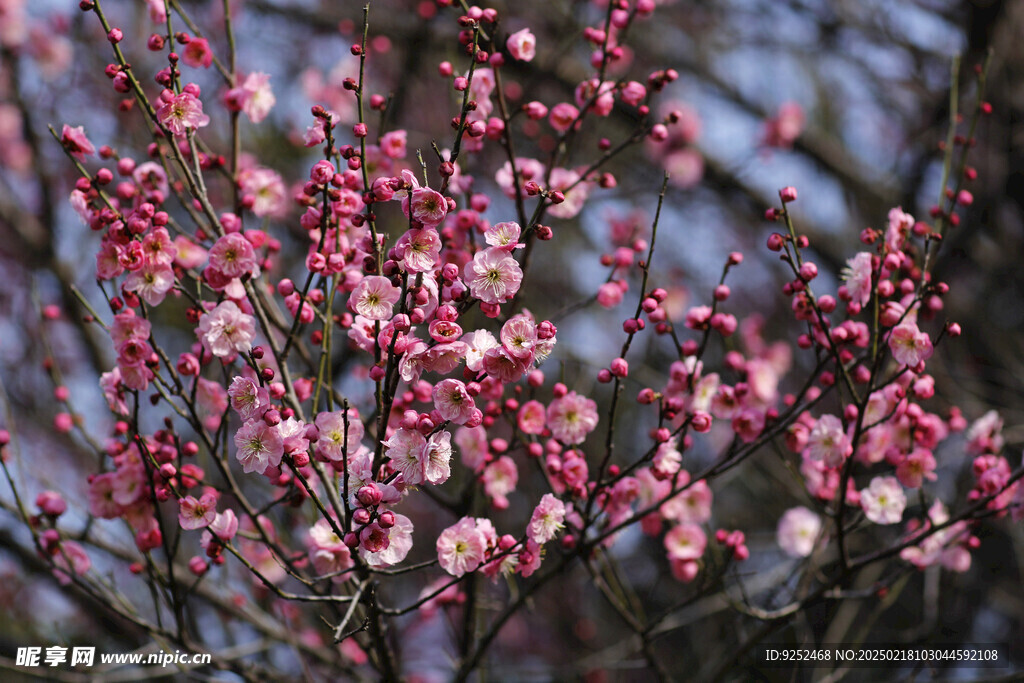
{"x":798,"y":531}
{"x":226,"y":331}
{"x":883,"y":501}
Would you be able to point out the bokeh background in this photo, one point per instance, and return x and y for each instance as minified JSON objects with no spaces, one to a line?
{"x":865,"y":83}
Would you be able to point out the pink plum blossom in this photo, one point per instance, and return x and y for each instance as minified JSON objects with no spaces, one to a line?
{"x":522,"y":45}
{"x":226,"y":331}
{"x":493,"y":276}
{"x":461,"y":547}
{"x":547,"y":519}
{"x":909,"y":345}
{"x":828,"y":442}
{"x":374,"y":297}
{"x":182,"y":113}
{"x":259,"y":446}
{"x":685,"y":542}
{"x":572,"y":417}
{"x":798,"y":531}
{"x":883,"y":501}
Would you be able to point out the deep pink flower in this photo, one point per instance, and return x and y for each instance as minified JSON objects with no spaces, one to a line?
{"x":198,"y":53}
{"x":75,"y":142}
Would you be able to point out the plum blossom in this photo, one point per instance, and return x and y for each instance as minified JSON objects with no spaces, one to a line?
{"x":249,"y":399}
{"x":436,"y":458}
{"x":428,"y":206}
{"x":685,"y":542}
{"x":254,"y":97}
{"x":226,"y":331}
{"x":797,"y":531}
{"x":461,"y":547}
{"x":547,"y":519}
{"x":333,"y":427}
{"x":196,"y":514}
{"x":493,"y":275}
{"x":259,"y":446}
{"x":883,"y":501}
{"x":234,"y":256}
{"x":500,"y":479}
{"x":857,"y":275}
{"x":151,"y":282}
{"x":522,"y":45}
{"x":405,"y":448}
{"x":399,"y":545}
{"x":374,"y":297}
{"x":504,"y":235}
{"x":828,"y":442}
{"x":453,"y":402}
{"x":909,"y":345}
{"x":572,"y":417}
{"x":75,"y":142}
{"x":182,"y":113}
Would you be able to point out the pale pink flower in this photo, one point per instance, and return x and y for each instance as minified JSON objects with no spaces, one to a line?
{"x":461,"y":547}
{"x":692,"y":505}
{"x":899,"y":227}
{"x":797,"y":531}
{"x":267,"y":190}
{"x":405,"y":449}
{"x":254,"y":97}
{"x":75,"y":142}
{"x":129,"y":484}
{"x":444,"y":357}
{"x":453,"y":402}
{"x":493,"y":276}
{"x":828,"y":442}
{"x":473,"y":446}
{"x":151,"y":177}
{"x":562,"y":179}
{"x":234,"y":256}
{"x":332,"y":444}
{"x":436,"y":458}
{"x":883,"y":501}
{"x":225,"y":525}
{"x":259,"y":446}
{"x":685,"y":167}
{"x":547,"y":519}
{"x":479,"y":343}
{"x":184,"y":112}
{"x":503,"y":366}
{"x":500,"y":478}
{"x":572,"y":417}
{"x":151,"y":282}
{"x":399,"y":545}
{"x":374,"y":297}
{"x":248,"y":398}
{"x":526,"y":169}
{"x":101,"y":497}
{"x":857,"y":275}
{"x":157,"y":11}
{"x":504,"y":235}
{"x":685,"y":542}
{"x":113,"y":391}
{"x":909,"y":345}
{"x":226,"y":331}
{"x":522,"y":45}
{"x":196,"y":514}
{"x":985,"y":435}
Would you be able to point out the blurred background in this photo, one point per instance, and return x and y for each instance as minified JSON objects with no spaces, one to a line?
{"x":847,"y":100}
